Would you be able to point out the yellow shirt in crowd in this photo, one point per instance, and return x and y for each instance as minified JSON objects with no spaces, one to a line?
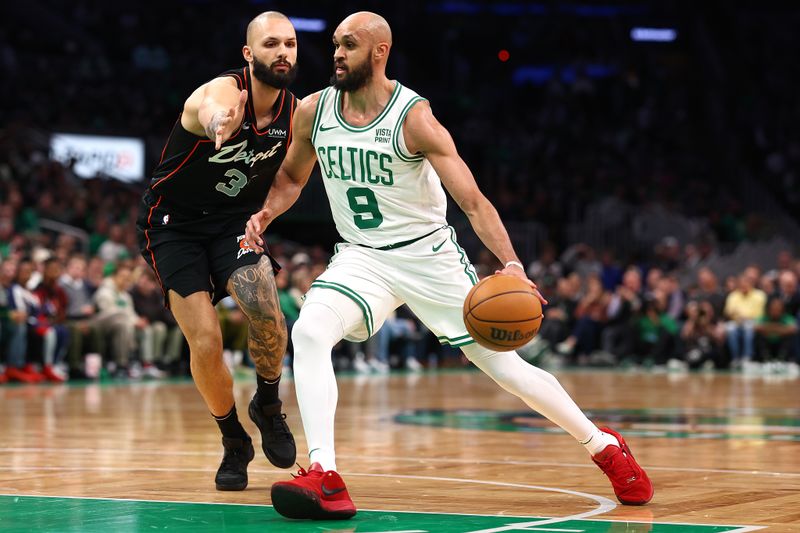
{"x":749,"y":306}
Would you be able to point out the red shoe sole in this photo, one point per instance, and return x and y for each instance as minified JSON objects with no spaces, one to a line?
{"x":299,"y":503}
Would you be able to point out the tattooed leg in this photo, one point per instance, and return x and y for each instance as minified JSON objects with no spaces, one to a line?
{"x":253,"y":288}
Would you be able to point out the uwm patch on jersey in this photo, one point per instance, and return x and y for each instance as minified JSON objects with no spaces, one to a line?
{"x":193,"y":175}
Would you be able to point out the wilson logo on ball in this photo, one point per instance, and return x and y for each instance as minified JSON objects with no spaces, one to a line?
{"x":505,"y":335}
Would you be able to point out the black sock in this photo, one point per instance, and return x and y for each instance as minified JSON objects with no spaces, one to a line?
{"x":267,"y":392}
{"x":230,"y":426}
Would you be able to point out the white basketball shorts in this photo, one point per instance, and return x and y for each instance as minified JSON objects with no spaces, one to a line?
{"x":432,"y":276}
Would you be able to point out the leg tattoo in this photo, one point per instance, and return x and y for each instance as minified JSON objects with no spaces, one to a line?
{"x":253,"y":288}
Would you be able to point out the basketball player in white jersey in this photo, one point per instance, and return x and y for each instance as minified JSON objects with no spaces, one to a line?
{"x":384,"y":159}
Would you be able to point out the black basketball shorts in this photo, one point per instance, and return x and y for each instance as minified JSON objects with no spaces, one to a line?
{"x":193,"y":252}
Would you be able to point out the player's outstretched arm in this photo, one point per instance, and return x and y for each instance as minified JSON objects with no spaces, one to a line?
{"x":291,"y":177}
{"x":215,"y":110}
{"x":424,"y":134}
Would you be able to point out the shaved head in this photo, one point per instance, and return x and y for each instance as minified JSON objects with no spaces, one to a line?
{"x":369,"y":24}
{"x":258,"y":25}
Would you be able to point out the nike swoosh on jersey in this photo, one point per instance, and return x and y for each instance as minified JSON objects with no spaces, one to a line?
{"x":326,"y":128}
{"x":436,"y":248}
{"x":330,"y":492}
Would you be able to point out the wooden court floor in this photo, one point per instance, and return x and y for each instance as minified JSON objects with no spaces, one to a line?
{"x":446,"y":451}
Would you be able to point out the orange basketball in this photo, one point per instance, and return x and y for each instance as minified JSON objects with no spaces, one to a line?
{"x":502,"y":313}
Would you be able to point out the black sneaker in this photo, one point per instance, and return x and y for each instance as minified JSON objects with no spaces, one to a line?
{"x":276,"y":437}
{"x":232,"y":473}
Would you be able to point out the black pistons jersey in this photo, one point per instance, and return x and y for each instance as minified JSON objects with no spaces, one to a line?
{"x":193,"y":176}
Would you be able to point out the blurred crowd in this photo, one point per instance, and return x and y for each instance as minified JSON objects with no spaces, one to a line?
{"x":90,"y":307}
{"x":607,"y":313}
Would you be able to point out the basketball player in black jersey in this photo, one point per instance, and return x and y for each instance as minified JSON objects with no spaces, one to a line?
{"x":215,"y":170}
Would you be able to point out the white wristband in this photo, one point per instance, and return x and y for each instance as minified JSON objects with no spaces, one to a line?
{"x":515,"y":263}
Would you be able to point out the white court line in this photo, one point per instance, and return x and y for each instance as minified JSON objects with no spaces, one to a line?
{"x":741,"y":529}
{"x":420,"y":460}
{"x":604,"y":504}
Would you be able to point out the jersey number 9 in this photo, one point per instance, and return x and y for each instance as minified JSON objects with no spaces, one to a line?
{"x":365,"y":205}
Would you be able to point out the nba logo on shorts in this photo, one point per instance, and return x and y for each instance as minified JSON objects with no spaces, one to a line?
{"x":244,"y":247}
{"x":165,"y":220}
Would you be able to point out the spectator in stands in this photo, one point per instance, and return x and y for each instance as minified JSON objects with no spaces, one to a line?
{"x":24,"y":307}
{"x":776,"y":332}
{"x":769,"y":282}
{"x":700,"y":335}
{"x":675,"y":299}
{"x":52,"y":320}
{"x":80,"y":313}
{"x":160,"y":339}
{"x":652,"y":280}
{"x":114,"y":249}
{"x":788,"y":292}
{"x":14,"y":334}
{"x":657,"y":330}
{"x":624,"y":305}
{"x":743,"y":307}
{"x":118,"y":320}
{"x":559,"y":321}
{"x":708,"y":291}
{"x":590,"y":317}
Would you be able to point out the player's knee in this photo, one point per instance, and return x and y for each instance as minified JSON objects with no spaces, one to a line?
{"x":318,"y":328}
{"x":205,"y":345}
{"x":303,"y":331}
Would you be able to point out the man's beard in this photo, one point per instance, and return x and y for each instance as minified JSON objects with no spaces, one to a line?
{"x":354,"y":78}
{"x":267,"y":76}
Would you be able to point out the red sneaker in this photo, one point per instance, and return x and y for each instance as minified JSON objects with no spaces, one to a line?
{"x":3,"y":378}
{"x":17,"y":374}
{"x":52,"y":375}
{"x":630,"y":482}
{"x":35,"y":376}
{"x":313,"y":494}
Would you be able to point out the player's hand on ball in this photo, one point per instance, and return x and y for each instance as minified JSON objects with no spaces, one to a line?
{"x":517,"y":272}
{"x":224,"y":123}
{"x":255,"y":227}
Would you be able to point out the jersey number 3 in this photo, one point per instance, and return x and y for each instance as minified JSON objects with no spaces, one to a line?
{"x":232,"y":188}
{"x":365,"y":205}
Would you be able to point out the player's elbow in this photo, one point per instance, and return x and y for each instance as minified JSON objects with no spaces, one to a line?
{"x":475,"y":204}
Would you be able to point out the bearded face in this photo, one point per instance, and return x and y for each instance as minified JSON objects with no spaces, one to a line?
{"x":279,"y":74}
{"x":350,"y":78}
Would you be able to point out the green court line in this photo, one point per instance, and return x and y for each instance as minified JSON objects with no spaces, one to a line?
{"x":24,"y":514}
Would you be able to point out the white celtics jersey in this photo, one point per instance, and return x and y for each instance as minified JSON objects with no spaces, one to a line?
{"x":379,"y":193}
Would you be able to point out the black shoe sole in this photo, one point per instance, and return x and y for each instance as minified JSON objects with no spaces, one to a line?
{"x":241,"y":486}
{"x":301,"y":504}
{"x":276,"y":461}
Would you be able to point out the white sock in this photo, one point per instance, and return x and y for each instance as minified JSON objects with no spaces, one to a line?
{"x":536,"y":387}
{"x":597,"y":441}
{"x":319,"y":327}
{"x":326,"y":458}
